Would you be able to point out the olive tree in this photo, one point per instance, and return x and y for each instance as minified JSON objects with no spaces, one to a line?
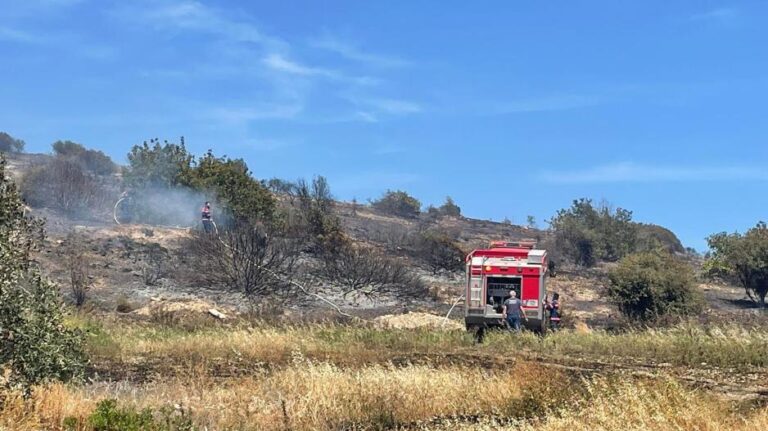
{"x":35,"y":345}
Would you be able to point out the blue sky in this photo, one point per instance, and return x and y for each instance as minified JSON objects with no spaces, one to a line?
{"x":512,"y":108}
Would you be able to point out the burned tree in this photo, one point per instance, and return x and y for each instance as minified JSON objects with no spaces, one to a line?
{"x":439,"y":252}
{"x":76,"y":263}
{"x":251,"y":259}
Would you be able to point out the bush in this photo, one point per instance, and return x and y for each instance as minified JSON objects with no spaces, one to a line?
{"x":77,"y":266}
{"x":317,"y":219}
{"x":439,"y":252}
{"x":449,"y":208}
{"x":91,"y":160}
{"x":109,"y":417}
{"x":9,"y":144}
{"x":63,"y":185}
{"x":35,"y":346}
{"x":649,"y":285}
{"x":398,"y":203}
{"x":371,"y":274}
{"x":153,"y":264}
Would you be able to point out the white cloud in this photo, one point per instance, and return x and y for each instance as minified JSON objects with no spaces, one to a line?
{"x":257,"y":112}
{"x":193,"y":15}
{"x":352,"y":52}
{"x":628,"y":172}
{"x":373,"y":106}
{"x":281,"y":64}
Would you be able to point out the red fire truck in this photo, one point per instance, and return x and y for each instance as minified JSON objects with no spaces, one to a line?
{"x":493,"y":272}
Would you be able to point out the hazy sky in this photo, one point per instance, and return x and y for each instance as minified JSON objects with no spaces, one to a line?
{"x":512,"y":108}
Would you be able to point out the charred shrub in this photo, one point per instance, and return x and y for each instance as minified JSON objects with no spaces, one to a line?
{"x":93,"y":161}
{"x":369,"y":273}
{"x":153,"y":263}
{"x":79,"y":272}
{"x":439,"y":252}
{"x":252,"y":259}
{"x":63,"y":185}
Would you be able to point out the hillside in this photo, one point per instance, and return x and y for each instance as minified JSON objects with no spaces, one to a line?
{"x":141,"y":266}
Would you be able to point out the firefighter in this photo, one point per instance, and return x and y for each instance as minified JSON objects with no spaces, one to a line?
{"x":207,"y":218}
{"x":554,"y":311}
{"x":513,"y":310}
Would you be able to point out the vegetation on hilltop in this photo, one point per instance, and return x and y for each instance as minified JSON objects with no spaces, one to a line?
{"x":9,"y":144}
{"x":587,"y":233}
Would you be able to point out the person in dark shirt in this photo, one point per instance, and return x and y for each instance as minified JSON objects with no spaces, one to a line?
{"x":513,"y":311}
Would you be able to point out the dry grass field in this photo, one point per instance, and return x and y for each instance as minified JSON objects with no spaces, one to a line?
{"x":256,"y":376}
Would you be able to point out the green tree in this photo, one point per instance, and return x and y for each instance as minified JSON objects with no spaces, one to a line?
{"x":153,"y":164}
{"x":586,"y":233}
{"x":232,"y":184}
{"x":743,"y":258}
{"x":398,"y":203}
{"x":35,"y":345}
{"x":9,"y":144}
{"x":648,"y":285}
{"x":449,"y":208}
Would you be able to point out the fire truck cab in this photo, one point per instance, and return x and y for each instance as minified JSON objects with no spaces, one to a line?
{"x":493,"y":272}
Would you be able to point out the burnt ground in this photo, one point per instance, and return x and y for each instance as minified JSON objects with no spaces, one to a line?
{"x":117,"y":258}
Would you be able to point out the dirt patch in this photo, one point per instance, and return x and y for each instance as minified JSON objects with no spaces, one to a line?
{"x":417,"y":320}
{"x":191,"y":306}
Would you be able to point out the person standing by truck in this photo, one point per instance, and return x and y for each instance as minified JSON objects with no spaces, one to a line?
{"x":513,"y":311}
{"x":554,"y":312}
